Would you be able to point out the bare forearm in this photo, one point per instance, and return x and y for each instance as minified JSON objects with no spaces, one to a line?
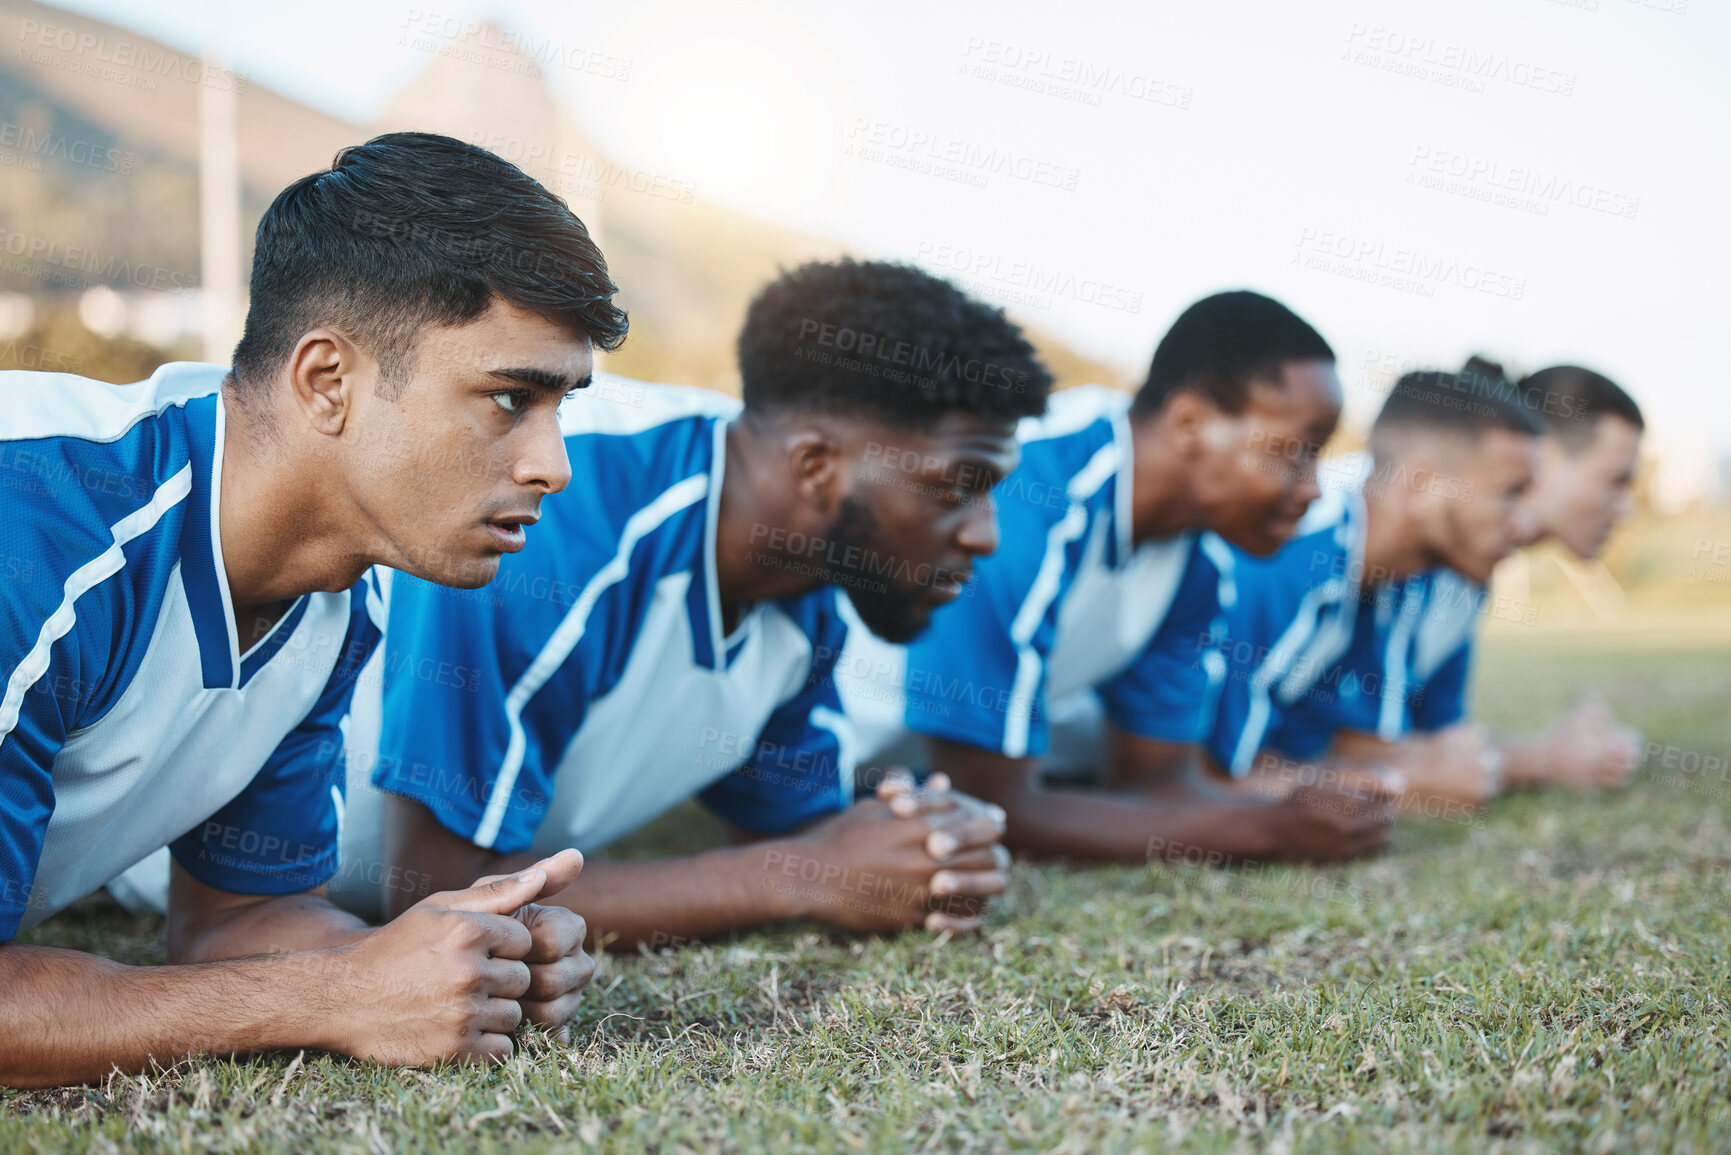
{"x":668,"y":901}
{"x":1527,"y":762}
{"x":1171,"y":805}
{"x":67,"y":1017}
{"x":1119,"y":827}
{"x":206,"y":925}
{"x":294,"y":923}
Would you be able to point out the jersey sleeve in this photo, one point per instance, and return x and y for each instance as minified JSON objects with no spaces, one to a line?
{"x":1441,"y":702}
{"x":1268,"y":606}
{"x":280,"y":834}
{"x":1167,"y":693}
{"x":42,"y":673}
{"x":452,"y":737}
{"x":977,"y":675}
{"x":800,"y":767}
{"x":58,"y":626}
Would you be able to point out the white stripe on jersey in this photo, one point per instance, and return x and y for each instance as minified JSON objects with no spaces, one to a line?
{"x":82,"y":580}
{"x":1391,"y":722}
{"x":570,"y":632}
{"x":838,"y":724}
{"x":1100,"y":468}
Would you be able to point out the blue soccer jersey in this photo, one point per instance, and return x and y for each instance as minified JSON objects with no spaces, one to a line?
{"x":1068,"y":604}
{"x":131,"y":719}
{"x":1309,"y":653}
{"x":593,"y":684}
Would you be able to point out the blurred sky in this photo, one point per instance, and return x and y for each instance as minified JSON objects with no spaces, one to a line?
{"x":1136,"y":156}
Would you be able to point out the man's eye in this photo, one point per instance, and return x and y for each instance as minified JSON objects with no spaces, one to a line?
{"x":512,"y":400}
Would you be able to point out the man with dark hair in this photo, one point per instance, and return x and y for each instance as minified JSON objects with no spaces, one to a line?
{"x":1586,"y":470}
{"x":1354,"y":640}
{"x":179,"y":657}
{"x":1107,"y":592}
{"x":680,"y":638}
{"x":1587,"y":456}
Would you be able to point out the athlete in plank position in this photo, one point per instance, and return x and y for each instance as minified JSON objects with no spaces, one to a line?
{"x":679,"y":639}
{"x":1586,"y":468}
{"x":1107,"y":591}
{"x":1353,"y":642}
{"x":184,"y":639}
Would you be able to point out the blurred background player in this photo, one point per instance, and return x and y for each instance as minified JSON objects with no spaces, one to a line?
{"x":1353,"y":642}
{"x":1588,"y":455}
{"x":1085,"y":644}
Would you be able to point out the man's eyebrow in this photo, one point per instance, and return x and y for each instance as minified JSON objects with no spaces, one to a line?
{"x":981,"y":465}
{"x":543,"y":379}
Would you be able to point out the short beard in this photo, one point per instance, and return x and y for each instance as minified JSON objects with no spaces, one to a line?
{"x":888,"y":610}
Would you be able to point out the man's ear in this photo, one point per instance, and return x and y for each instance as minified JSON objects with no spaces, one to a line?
{"x":814,"y":462}
{"x":1188,"y":419}
{"x":326,"y":372}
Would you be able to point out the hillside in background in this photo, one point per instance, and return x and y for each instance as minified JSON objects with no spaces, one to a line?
{"x":99,"y":146}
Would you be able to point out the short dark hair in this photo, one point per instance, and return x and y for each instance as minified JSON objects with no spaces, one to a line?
{"x":1567,"y":399}
{"x":1219,"y":345}
{"x":1464,"y":405}
{"x":1575,"y":399}
{"x":413,"y":229}
{"x":887,"y":341}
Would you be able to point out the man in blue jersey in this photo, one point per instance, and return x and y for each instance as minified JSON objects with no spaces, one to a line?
{"x":679,"y":639}
{"x":1107,"y":590}
{"x":181,"y":647}
{"x":1353,"y":641}
{"x":1588,"y":455}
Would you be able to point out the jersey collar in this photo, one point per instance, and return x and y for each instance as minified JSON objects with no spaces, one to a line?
{"x":1123,"y":489}
{"x":711,"y":649}
{"x":202,"y":571}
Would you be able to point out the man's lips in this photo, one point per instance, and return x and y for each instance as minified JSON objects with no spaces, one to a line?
{"x":508,"y":532}
{"x":950,"y":588}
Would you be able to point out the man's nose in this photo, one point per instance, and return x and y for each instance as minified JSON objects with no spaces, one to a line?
{"x":544,"y":463}
{"x":979,"y":531}
{"x":1523,"y":524}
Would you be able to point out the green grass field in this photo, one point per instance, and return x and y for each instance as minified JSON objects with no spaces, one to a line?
{"x":1555,"y":976}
